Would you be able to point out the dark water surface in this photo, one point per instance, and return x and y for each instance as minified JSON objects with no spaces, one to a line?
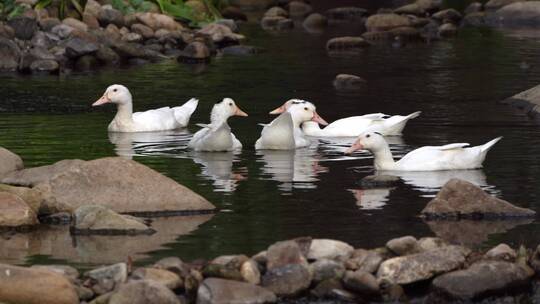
{"x":269,"y":196}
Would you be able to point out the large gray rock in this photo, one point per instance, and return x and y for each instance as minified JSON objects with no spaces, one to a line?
{"x":77,"y":47}
{"x":9,"y":161}
{"x":284,"y":253}
{"x":364,"y":260}
{"x":35,"y":286}
{"x":527,"y":101}
{"x":10,"y":55}
{"x":481,"y":279}
{"x":14,"y":212}
{"x":385,"y":22}
{"x":326,"y":269}
{"x":422,"y":266}
{"x":108,"y":278}
{"x":24,"y":27}
{"x":45,"y":65}
{"x":96,"y":219}
{"x":165,"y":277}
{"x":120,"y":184}
{"x":461,"y":199}
{"x":501,"y":252}
{"x":329,"y":249}
{"x":287,"y":281}
{"x":143,"y":292}
{"x":520,"y":14}
{"x":403,"y":245}
{"x":109,"y":15}
{"x":219,"y":291}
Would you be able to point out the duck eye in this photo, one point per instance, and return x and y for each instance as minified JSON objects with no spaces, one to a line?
{"x":306,"y":108}
{"x":367,"y":136}
{"x":115,"y":90}
{"x":230,"y":104}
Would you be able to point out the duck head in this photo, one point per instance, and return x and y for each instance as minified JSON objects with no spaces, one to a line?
{"x":288,"y":104}
{"x":305,"y":111}
{"x":115,"y":93}
{"x":225,"y":109}
{"x":371,"y":141}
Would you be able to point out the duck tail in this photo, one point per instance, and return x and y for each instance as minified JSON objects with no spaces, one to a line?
{"x":191,"y":105}
{"x":413,"y":115}
{"x":397,"y":123}
{"x":487,"y":146}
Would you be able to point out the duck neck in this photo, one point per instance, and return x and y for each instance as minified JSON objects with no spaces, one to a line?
{"x":383,"y":158}
{"x":217,"y":118}
{"x":124,"y":113}
{"x":311,"y":128}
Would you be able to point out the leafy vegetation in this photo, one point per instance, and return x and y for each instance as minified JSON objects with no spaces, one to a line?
{"x":63,"y":6}
{"x":131,"y":6}
{"x":10,"y":9}
{"x":180,"y":10}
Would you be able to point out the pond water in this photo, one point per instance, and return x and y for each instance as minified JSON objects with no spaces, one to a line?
{"x":264,"y":197}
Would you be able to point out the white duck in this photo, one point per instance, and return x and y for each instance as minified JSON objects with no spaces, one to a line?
{"x":355,"y":125}
{"x":217,"y":135}
{"x":161,"y":119}
{"x":429,"y":158}
{"x":284,"y":132}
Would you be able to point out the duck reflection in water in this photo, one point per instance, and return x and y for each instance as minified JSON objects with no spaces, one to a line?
{"x":218,"y":167}
{"x":371,"y":199}
{"x":128,"y":145}
{"x":294,"y":169}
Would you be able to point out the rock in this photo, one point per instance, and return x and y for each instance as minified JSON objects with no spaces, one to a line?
{"x":422,"y":266}
{"x":24,"y":27}
{"x":35,"y":286}
{"x":364,"y":260}
{"x":410,"y":9}
{"x":276,"y":23}
{"x":142,"y":30}
{"x":14,"y":212}
{"x":108,"y":16}
{"x":241,"y":50}
{"x":112,"y":32}
{"x":90,"y":21}
{"x":474,"y":19}
{"x":461,"y":199}
{"x":448,"y":14}
{"x":346,"y":43}
{"x":6,"y":31}
{"x":31,"y":197}
{"x":195,"y":52}
{"x":232,"y":261}
{"x":343,"y":14}
{"x":132,"y":37}
{"x":283,"y":253}
{"x":447,"y":30}
{"x":107,"y":278}
{"x":347,"y":82}
{"x":501,"y":252}
{"x":76,"y":24}
{"x":404,"y":245}
{"x":391,"y":292}
{"x":9,"y":161}
{"x":92,"y":7}
{"x":220,"y":33}
{"x":143,"y":292}
{"x":47,"y":24}
{"x":164,"y":277}
{"x":63,"y":31}
{"x":123,"y":185}
{"x":287,"y":281}
{"x":474,"y":7}
{"x":325,"y":288}
{"x":250,"y":272}
{"x":223,"y":271}
{"x":315,"y":20}
{"x":158,"y":21}
{"x":276,"y":11}
{"x":67,"y":271}
{"x":46,"y":65}
{"x":77,"y":47}
{"x":219,"y":291}
{"x":329,"y":249}
{"x":361,"y":282}
{"x":299,"y":9}
{"x":385,"y":22}
{"x":493,"y":5}
{"x":107,"y":55}
{"x":520,"y":14}
{"x":430,"y":243}
{"x":234,"y":13}
{"x":231,"y":24}
{"x":42,"y":40}
{"x":482,"y":279}
{"x":95,"y":219}
{"x":429,"y":5}
{"x":325,"y":269}
{"x":173,"y":264}
{"x":10,"y":55}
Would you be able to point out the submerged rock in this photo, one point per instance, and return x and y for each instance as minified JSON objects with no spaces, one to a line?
{"x":461,"y":199}
{"x":314,"y":21}
{"x":120,"y":184}
{"x":520,"y":14}
{"x":95,"y":219}
{"x":195,"y":52}
{"x":276,"y":11}
{"x":482,"y":279}
{"x":348,"y":82}
{"x":447,"y":30}
{"x":241,"y":50}
{"x":35,"y":286}
{"x":346,"y":43}
{"x":422,"y":266}
{"x":501,"y":252}
{"x":14,"y":212}
{"x":385,"y":22}
{"x":276,"y":23}
{"x":219,"y":291}
{"x":143,"y":292}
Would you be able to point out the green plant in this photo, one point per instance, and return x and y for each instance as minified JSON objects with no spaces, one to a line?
{"x":131,"y":6}
{"x":10,"y":9}
{"x":62,"y":6}
{"x":178,"y":9}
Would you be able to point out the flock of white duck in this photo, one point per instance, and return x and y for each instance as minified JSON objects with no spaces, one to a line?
{"x":297,"y":121}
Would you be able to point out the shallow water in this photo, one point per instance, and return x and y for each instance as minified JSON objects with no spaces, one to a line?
{"x":264,"y":197}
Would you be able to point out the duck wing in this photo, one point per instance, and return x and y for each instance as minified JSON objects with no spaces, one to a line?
{"x":183,"y":113}
{"x":155,"y":120}
{"x":278,"y":134}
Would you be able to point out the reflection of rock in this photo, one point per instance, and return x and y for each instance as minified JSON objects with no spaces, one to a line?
{"x":218,"y":167}
{"x":470,"y":232}
{"x":102,"y":249}
{"x":370,"y":199}
{"x":293,"y":168}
